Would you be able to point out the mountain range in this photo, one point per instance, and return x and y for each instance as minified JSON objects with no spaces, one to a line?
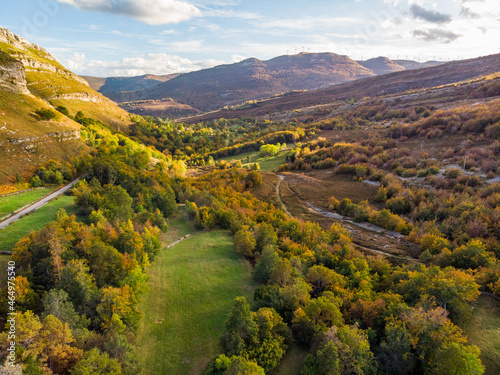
{"x":444,"y":79}
{"x":233,"y":84}
{"x":32,"y":80}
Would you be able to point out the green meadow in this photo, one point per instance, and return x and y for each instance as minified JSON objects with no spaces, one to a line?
{"x":192,"y":288}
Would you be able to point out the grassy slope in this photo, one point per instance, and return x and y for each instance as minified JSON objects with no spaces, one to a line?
{"x":17,"y":122}
{"x":193,"y":285}
{"x":10,"y":235}
{"x":46,"y":85}
{"x":267,"y":164}
{"x":11,"y":203}
{"x":484,"y":331}
{"x":32,"y":141}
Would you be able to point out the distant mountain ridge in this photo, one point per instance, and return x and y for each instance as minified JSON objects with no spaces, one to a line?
{"x":387,"y":84}
{"x":250,"y":79}
{"x":233,"y":84}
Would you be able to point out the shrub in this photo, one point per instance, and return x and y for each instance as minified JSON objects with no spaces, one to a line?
{"x":333,"y":203}
{"x":35,"y":181}
{"x":63,"y":110}
{"x":46,"y":114}
{"x":381,"y":194}
{"x":453,"y":173}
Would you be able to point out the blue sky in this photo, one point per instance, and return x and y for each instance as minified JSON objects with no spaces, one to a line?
{"x":133,"y":37}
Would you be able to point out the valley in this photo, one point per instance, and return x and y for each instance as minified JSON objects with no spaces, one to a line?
{"x":308,"y":214}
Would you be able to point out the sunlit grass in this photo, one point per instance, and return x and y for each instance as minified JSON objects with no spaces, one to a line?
{"x":14,"y":202}
{"x":192,"y":288}
{"x":11,"y":234}
{"x":484,"y":331}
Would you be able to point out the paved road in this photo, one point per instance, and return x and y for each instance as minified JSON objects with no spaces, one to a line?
{"x":38,"y":204}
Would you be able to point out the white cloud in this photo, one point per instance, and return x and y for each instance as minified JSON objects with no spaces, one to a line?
{"x":237,"y":58}
{"x":152,"y":12}
{"x":154,"y":63}
{"x":169,"y":32}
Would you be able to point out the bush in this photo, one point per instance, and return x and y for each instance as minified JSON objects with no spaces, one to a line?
{"x":46,"y":114}
{"x":453,"y":173}
{"x":63,"y":110}
{"x":35,"y":181}
{"x":333,"y":203}
{"x":381,"y":194}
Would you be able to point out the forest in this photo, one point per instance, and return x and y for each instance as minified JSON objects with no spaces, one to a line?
{"x":81,"y":278}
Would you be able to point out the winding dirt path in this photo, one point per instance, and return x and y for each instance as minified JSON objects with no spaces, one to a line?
{"x":278,"y":194}
{"x":349,"y":224}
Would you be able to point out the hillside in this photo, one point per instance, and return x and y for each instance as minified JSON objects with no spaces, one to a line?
{"x":252,"y":79}
{"x":410,"y":64}
{"x":31,"y":79}
{"x":388,"y":84}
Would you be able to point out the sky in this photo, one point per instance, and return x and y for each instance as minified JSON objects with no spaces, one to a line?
{"x":133,"y":37}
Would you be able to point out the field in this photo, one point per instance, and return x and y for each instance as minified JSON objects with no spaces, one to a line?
{"x":484,"y":331}
{"x":35,"y":221}
{"x":14,"y":202}
{"x":303,"y":194}
{"x":192,"y":288}
{"x":267,"y":164}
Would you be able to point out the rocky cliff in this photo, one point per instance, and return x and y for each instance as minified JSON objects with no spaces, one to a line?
{"x":12,"y":75}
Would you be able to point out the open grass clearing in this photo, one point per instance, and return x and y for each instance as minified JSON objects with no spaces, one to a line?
{"x":267,"y":190}
{"x":484,"y":331}
{"x":192,"y":288}
{"x":13,"y":202}
{"x":318,"y":185}
{"x":267,"y":164}
{"x":11,"y":234}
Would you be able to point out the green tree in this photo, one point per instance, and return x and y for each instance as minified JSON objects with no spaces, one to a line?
{"x":266,"y":236}
{"x":241,"y":335}
{"x":56,"y":303}
{"x":325,"y":362}
{"x":471,"y":255}
{"x":459,"y":359}
{"x":119,"y":348}
{"x":244,"y":242}
{"x":35,"y":181}
{"x":46,"y":114}
{"x":76,"y":280}
{"x":96,"y":363}
{"x":271,"y":346}
{"x":281,"y":273}
{"x":357,"y":341}
{"x":321,"y":277}
{"x":395,"y":356}
{"x":264,"y":266}
{"x":450,"y":288}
